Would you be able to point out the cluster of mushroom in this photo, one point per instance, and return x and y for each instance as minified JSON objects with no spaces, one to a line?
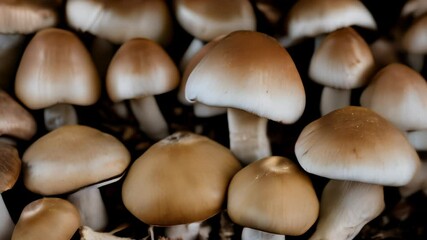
{"x":184,"y":179}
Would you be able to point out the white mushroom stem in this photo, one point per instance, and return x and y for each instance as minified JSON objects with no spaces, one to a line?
{"x":418,"y":182}
{"x":59,"y":115}
{"x":10,"y":49}
{"x":7,"y":225}
{"x":248,"y":135}
{"x":415,"y":61}
{"x":333,"y":99}
{"x":190,"y":231}
{"x":149,"y":117}
{"x":418,"y":139}
{"x":87,"y":233}
{"x":253,"y":234}
{"x":346,"y":207}
{"x":195,"y":45}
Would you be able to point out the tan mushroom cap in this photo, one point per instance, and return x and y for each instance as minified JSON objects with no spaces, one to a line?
{"x":15,"y":120}
{"x":309,"y":18}
{"x":10,"y":166}
{"x":252,"y":72}
{"x":56,"y":68}
{"x":399,"y":94}
{"x":72,"y":157}
{"x":119,"y":21}
{"x":415,"y":38}
{"x":27,"y":16}
{"x":356,"y":144}
{"x":47,"y":218}
{"x":209,"y":19}
{"x":179,"y":180}
{"x":140,"y":67}
{"x":273,"y":195}
{"x":343,"y":60}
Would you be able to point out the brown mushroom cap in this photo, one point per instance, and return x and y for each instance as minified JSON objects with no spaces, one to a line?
{"x":47,"y":218}
{"x":10,"y":166}
{"x":72,"y":157}
{"x":179,"y":180}
{"x":140,"y":67}
{"x":209,"y":19}
{"x":273,"y":195}
{"x":357,"y":144}
{"x":252,"y":72}
{"x":414,"y":39}
{"x":15,"y":120}
{"x":56,"y":68}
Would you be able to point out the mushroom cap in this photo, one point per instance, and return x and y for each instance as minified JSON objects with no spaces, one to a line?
{"x":47,"y":218}
{"x":72,"y":157}
{"x":140,"y":67}
{"x":343,"y":60}
{"x":10,"y":166}
{"x":119,"y":21}
{"x":15,"y":120}
{"x":414,"y":40}
{"x":25,"y":17}
{"x":399,"y":94}
{"x":252,"y":72}
{"x":179,"y":180}
{"x":310,"y":18}
{"x":356,"y":144}
{"x":273,"y":195}
{"x":209,"y":19}
{"x":50,"y":73}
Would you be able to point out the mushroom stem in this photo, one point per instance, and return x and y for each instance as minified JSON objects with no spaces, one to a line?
{"x":11,"y":46}
{"x":333,"y":99}
{"x":149,"y":117}
{"x":345,"y":207}
{"x":190,"y":231}
{"x":248,"y":135}
{"x":195,"y":45}
{"x":253,"y":234}
{"x":418,"y":139}
{"x":59,"y":115}
{"x":87,"y":233}
{"x":7,"y":225}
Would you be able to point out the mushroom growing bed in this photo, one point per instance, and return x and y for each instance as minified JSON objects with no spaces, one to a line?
{"x":402,"y":218}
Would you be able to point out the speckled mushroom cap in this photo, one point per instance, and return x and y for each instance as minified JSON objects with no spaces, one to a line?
{"x":249,"y":71}
{"x":356,"y":144}
{"x":15,"y":120}
{"x":72,"y":157}
{"x":310,"y":18}
{"x":414,"y":39}
{"x":47,"y":218}
{"x":273,"y":195}
{"x":342,"y":60}
{"x":209,"y":19}
{"x":56,"y":68}
{"x":399,"y":94}
{"x":27,"y":16}
{"x":10,"y":166}
{"x":120,"y":21}
{"x":140,"y":67}
{"x":179,"y":180}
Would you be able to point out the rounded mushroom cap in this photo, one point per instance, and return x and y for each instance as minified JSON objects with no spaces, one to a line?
{"x":10,"y":166}
{"x":56,"y":68}
{"x":140,"y":67}
{"x":399,"y":94}
{"x":252,"y":72}
{"x":209,"y":19}
{"x":120,"y":21}
{"x":357,"y":144}
{"x":180,"y":179}
{"x":309,"y":18}
{"x":343,"y":60}
{"x":72,"y":157}
{"x":15,"y":120}
{"x":415,"y":38}
{"x":25,"y":17}
{"x":47,"y":218}
{"x":273,"y":195}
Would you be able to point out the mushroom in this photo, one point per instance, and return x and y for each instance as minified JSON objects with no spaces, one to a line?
{"x":343,"y":61}
{"x":140,"y":69}
{"x":181,"y":179}
{"x":413,"y":43}
{"x":53,"y":77}
{"x":256,"y":79}
{"x":273,"y":195}
{"x":47,"y":218}
{"x":76,"y":160}
{"x":354,"y":144}
{"x":417,"y":183}
{"x":87,"y":233}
